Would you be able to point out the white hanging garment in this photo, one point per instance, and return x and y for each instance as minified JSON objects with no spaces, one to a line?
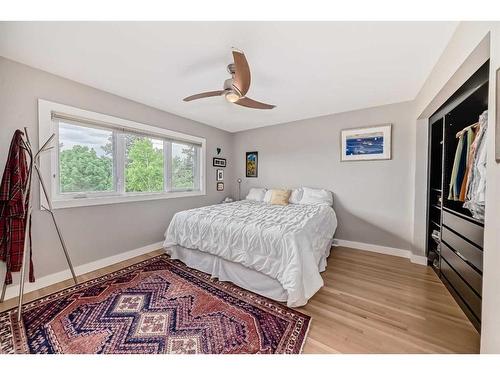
{"x":475,"y":198}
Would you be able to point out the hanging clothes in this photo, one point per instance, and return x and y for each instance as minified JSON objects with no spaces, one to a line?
{"x":460,"y":162}
{"x":454,"y":171}
{"x":476,"y":190}
{"x":471,"y":135}
{"x":14,"y":209}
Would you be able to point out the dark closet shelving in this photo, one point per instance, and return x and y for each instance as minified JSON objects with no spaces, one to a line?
{"x":456,"y":250}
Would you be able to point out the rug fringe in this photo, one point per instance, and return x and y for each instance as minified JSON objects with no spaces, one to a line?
{"x":305,"y":335}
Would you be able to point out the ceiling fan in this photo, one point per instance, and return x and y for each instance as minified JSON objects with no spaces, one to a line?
{"x":236,"y":87}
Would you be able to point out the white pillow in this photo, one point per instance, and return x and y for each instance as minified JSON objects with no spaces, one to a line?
{"x":256,"y":194}
{"x":268,"y":195}
{"x":316,"y":196}
{"x":296,"y":196}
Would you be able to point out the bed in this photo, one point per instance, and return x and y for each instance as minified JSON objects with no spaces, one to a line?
{"x":275,"y":251}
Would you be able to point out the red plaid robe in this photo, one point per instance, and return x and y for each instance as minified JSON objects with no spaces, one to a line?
{"x":14,"y":209}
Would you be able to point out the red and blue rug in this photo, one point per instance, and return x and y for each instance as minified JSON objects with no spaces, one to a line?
{"x":156,"y":306}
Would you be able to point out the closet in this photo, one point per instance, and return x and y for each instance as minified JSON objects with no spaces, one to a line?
{"x":455,"y":233}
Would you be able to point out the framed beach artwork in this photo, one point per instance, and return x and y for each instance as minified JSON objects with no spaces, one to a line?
{"x":371,"y":143}
{"x":251,"y":164}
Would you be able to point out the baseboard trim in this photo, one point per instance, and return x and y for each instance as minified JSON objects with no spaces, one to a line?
{"x":417,"y":259}
{"x":44,"y":281}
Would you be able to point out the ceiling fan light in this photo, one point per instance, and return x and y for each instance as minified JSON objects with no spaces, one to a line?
{"x":232,"y":97}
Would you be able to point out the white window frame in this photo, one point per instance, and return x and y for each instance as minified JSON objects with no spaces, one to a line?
{"x":49,"y":161}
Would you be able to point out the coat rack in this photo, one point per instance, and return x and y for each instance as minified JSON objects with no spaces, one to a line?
{"x":34,"y":165}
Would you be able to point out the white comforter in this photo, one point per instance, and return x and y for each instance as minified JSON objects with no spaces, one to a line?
{"x":288,"y":243}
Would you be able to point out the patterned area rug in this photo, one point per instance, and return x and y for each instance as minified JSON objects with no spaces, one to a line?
{"x":156,"y":306}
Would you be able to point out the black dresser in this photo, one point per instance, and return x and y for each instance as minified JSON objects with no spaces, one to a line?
{"x":462,"y":262}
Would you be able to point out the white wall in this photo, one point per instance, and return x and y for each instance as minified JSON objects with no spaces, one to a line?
{"x":96,"y":232}
{"x":452,"y":69}
{"x":372,"y":198}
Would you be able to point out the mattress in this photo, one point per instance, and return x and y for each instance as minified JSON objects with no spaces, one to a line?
{"x":288,"y":244}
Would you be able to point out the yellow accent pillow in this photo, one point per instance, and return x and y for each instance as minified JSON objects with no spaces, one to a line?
{"x":280,"y":197}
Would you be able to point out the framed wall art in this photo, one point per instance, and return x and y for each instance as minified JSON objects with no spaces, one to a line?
{"x":251,"y":164}
{"x":370,"y":143}
{"x":219,"y":162}
{"x":219,"y":174}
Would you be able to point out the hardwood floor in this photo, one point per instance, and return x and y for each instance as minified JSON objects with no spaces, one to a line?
{"x":371,"y":303}
{"x":374,"y":303}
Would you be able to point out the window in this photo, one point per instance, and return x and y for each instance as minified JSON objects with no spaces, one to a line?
{"x":102,"y":159}
{"x":144,"y":164}
{"x":85,"y":159}
{"x":183,"y":166}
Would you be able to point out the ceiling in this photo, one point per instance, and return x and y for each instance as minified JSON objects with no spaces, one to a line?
{"x":307,"y":69}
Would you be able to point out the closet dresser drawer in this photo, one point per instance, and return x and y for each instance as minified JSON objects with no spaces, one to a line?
{"x":462,"y":289}
{"x":471,"y":253}
{"x":466,"y":228}
{"x":471,"y":276}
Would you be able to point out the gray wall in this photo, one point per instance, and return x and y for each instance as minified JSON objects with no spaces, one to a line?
{"x":95,"y":232}
{"x":372,"y":199}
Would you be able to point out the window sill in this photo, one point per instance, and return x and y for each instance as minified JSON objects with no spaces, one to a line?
{"x":105,"y":200}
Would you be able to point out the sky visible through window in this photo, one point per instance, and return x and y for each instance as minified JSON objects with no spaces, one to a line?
{"x":71,"y":135}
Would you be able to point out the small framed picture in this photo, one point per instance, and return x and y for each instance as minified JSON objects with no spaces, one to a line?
{"x":220,"y":186}
{"x":371,"y":143}
{"x":219,"y":162}
{"x":219,"y":175}
{"x":251,"y":164}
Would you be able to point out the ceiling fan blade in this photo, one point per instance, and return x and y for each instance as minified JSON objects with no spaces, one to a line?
{"x":204,"y":95}
{"x":250,"y":103}
{"x":241,"y":79}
